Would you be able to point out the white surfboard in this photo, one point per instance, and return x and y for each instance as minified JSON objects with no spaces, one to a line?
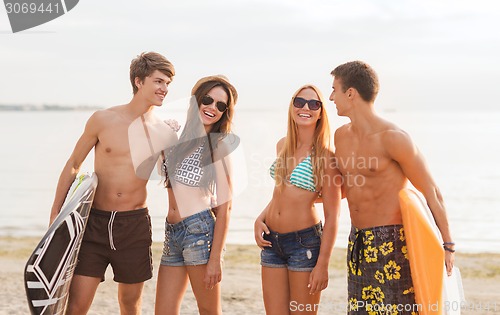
{"x":50,"y":268}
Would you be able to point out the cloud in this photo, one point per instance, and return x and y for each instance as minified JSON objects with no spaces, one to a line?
{"x":267,"y":48}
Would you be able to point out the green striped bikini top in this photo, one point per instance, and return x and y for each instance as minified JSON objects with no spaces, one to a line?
{"x":302,"y":175}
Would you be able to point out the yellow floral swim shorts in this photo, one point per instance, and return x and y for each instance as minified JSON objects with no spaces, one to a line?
{"x":379,"y":278}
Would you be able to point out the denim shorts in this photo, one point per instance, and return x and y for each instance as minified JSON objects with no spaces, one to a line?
{"x":297,"y":251}
{"x":188,"y":242}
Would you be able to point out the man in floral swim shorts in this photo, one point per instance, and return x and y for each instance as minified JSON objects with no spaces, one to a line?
{"x":377,"y":159}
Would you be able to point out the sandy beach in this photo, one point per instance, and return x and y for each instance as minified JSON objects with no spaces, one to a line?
{"x":241,"y":290}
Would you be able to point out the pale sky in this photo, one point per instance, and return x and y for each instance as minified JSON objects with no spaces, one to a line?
{"x":429,"y":54}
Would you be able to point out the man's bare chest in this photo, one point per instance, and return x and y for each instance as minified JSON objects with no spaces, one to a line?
{"x":114,"y":141}
{"x":361,"y":157}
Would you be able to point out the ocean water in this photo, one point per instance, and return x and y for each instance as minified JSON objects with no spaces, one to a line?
{"x":461,"y":149}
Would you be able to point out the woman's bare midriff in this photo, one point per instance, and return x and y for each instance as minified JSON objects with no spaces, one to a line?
{"x":291,"y":210}
{"x":184,"y":201}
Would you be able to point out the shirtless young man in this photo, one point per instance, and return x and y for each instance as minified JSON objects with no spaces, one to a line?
{"x":118,"y":230}
{"x":376,"y":159}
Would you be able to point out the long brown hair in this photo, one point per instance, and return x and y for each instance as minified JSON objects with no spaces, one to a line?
{"x":193,"y":135}
{"x":321,"y":144}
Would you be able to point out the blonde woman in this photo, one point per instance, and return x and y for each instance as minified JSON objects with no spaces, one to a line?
{"x":296,"y":246}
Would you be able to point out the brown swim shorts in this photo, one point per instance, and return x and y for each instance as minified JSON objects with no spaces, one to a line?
{"x":119,"y":238}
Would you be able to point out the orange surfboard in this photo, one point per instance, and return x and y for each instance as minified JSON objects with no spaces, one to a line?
{"x":425,"y":253}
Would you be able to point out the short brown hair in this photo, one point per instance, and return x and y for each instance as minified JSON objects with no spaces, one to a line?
{"x":358,"y":75}
{"x":146,"y":63}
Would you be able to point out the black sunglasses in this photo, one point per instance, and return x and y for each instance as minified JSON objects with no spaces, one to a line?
{"x":208,"y":100}
{"x":299,"y":102}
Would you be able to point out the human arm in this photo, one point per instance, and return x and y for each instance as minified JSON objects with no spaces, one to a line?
{"x":82,"y":148}
{"x":224,"y":196}
{"x":339,"y":135}
{"x":173,"y":124}
{"x":331,"y":195}
{"x":401,"y":148}
{"x":260,"y":228}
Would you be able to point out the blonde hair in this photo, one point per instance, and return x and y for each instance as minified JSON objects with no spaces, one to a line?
{"x":321,"y":144}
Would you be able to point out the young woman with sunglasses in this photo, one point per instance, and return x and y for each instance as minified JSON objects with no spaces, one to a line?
{"x":296,"y":247}
{"x":199,"y":187}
